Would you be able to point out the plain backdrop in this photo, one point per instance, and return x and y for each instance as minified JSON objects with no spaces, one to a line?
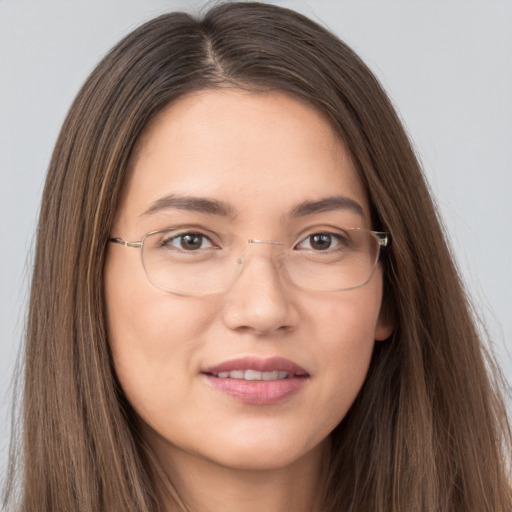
{"x":447,"y":65}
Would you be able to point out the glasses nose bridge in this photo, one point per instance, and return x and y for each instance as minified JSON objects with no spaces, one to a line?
{"x":256,"y":241}
{"x":270,"y":261}
{"x":241,"y":260}
{"x":264,"y":242}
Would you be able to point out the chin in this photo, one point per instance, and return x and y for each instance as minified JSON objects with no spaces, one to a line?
{"x":262,"y":453}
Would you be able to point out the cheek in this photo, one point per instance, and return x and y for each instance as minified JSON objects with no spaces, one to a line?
{"x":153,"y":337}
{"x":344,"y":334}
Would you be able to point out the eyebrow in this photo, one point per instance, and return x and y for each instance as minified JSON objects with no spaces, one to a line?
{"x":215,"y":207}
{"x":190,"y":203}
{"x":327,"y":204}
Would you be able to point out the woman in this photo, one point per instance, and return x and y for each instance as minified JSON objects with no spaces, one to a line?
{"x":200,"y":340}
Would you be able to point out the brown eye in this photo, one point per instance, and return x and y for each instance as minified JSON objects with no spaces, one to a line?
{"x":189,"y":242}
{"x":320,"y":241}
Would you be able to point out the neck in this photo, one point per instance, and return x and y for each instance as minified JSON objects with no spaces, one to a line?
{"x":192,"y":484}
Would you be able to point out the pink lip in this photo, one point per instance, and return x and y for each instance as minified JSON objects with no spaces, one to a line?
{"x":258,"y":392}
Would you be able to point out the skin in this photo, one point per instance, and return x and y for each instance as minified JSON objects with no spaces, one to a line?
{"x":262,"y":154}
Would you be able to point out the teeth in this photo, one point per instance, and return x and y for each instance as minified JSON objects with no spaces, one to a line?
{"x":252,"y":375}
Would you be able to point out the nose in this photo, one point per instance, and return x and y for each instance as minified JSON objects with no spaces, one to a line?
{"x":260,"y":301}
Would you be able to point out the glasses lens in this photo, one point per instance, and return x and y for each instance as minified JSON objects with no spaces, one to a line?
{"x":185,"y":262}
{"x":347,"y":261}
{"x":190,"y":263}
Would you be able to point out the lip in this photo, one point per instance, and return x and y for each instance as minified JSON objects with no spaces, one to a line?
{"x":257,"y":392}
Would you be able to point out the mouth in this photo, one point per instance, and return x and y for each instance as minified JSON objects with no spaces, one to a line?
{"x":257,"y":381}
{"x":252,"y":375}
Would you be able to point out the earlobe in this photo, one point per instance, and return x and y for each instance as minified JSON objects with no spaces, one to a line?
{"x":385,"y":325}
{"x":383,"y":331}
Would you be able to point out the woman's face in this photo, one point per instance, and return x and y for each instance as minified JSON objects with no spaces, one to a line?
{"x":240,"y":164}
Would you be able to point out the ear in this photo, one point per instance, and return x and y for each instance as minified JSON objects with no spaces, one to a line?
{"x":385,"y":323}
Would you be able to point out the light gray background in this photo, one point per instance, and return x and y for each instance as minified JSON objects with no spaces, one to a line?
{"x":447,"y":65}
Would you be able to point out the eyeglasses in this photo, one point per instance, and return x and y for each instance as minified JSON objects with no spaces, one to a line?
{"x":192,"y":262}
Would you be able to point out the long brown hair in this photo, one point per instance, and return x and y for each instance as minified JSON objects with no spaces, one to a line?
{"x":428,"y":430}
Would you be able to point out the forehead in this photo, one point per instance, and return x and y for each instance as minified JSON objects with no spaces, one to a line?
{"x":260,"y":153}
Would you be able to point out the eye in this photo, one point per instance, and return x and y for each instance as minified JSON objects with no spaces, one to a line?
{"x":321,"y":242}
{"x":188,"y":242}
